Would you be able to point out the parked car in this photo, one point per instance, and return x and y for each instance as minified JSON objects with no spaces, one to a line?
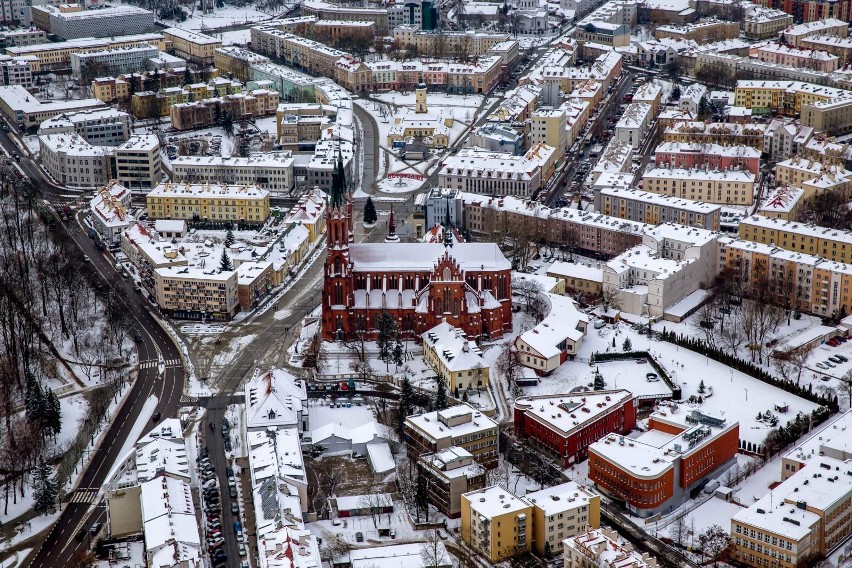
{"x":235,"y":509}
{"x":828,"y":364}
{"x":359,"y":536}
{"x":820,"y":366}
{"x":95,"y":528}
{"x":842,"y":358}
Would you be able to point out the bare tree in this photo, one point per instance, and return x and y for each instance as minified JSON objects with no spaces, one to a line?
{"x":433,"y":552}
{"x":844,"y":387}
{"x":679,"y":531}
{"x":610,"y":298}
{"x":509,"y":367}
{"x":713,"y":542}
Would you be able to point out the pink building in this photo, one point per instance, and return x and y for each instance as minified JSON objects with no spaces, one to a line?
{"x":713,"y":156}
{"x":782,"y":54}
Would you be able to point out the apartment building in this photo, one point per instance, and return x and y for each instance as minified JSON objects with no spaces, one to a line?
{"x":455,"y":359}
{"x":781,"y":54}
{"x":104,"y":126}
{"x":721,"y":133}
{"x":713,"y":156}
{"x":561,"y":512}
{"x":138,"y":164}
{"x":656,"y":471}
{"x":192,"y":46}
{"x":589,"y":232}
{"x":603,"y":33}
{"x":564,"y":426}
{"x":584,"y":280}
{"x":734,"y":187}
{"x":20,"y":107}
{"x":656,"y":209}
{"x":839,"y":46}
{"x":110,"y":89}
{"x":307,"y":55}
{"x":784,"y":97}
{"x":765,"y":23}
{"x":785,"y":138}
{"x":112,"y":60}
{"x":271,"y":171}
{"x":672,"y":262}
{"x":783,"y":203}
{"x":806,"y":516}
{"x":328,"y":11}
{"x":479,"y":171}
{"x":249,"y":105}
{"x":472,"y":43}
{"x":235,"y":61}
{"x":196,"y":293}
{"x":109,"y":213}
{"x":214,"y":202}
{"x":593,"y":548}
{"x":547,"y":126}
{"x":833,"y":117}
{"x":821,"y":25}
{"x":51,"y":56}
{"x":71,"y":21}
{"x":461,"y":426}
{"x":813,"y":177}
{"x":833,"y":244}
{"x":495,"y":523}
{"x":16,"y":71}
{"x":450,"y":472}
{"x":705,"y":31}
{"x":25,"y":36}
{"x":634,"y":124}
{"x":73,"y":162}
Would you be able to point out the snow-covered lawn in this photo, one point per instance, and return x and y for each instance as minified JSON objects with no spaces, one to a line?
{"x":226,"y":16}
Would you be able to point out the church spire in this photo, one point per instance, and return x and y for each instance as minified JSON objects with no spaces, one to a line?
{"x":338,"y":182}
{"x":448,"y":227}
{"x":392,"y":236}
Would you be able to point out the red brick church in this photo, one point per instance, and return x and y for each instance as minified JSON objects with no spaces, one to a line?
{"x":420,"y":284}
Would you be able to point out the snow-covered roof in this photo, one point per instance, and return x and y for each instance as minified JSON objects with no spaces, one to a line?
{"x":275,"y":453}
{"x":803,"y":229}
{"x":209,"y":191}
{"x":782,"y":200}
{"x":570,"y":412}
{"x":559,"y":498}
{"x":110,"y":205}
{"x":605,"y":547}
{"x":275,"y":399}
{"x":140,"y":143}
{"x":493,"y":501}
{"x":192,"y":37}
{"x":168,"y":522}
{"x":453,"y":348}
{"x":452,"y":422}
{"x":161,"y":455}
{"x":170,"y":226}
{"x":381,"y":459}
{"x":400,"y":556}
{"x":833,"y":439}
{"x":352,"y":502}
{"x":368,"y":257}
{"x":561,"y":323}
{"x":661,"y":200}
{"x":700,"y":174}
{"x":560,"y":269}
{"x":734,"y":151}
{"x":453,"y":462}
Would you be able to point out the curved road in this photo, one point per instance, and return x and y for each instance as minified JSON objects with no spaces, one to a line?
{"x":155,"y":345}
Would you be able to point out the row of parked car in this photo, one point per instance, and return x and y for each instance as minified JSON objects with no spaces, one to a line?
{"x":212,"y":510}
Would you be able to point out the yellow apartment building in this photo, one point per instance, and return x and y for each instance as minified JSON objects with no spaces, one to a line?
{"x":496,"y":524}
{"x":561,"y":512}
{"x":212,"y":202}
{"x":454,"y":358}
{"x":833,"y":244}
{"x":190,"y":293}
{"x":193,"y":46}
{"x":786,"y":97}
{"x":110,"y":89}
{"x":735,"y":187}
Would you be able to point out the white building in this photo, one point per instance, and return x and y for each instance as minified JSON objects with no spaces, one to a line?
{"x":690,"y":98}
{"x":169,"y":524}
{"x":102,"y":127}
{"x":112,"y":61}
{"x":672,"y":262}
{"x":105,"y":21}
{"x":785,"y":138}
{"x":109,"y":212}
{"x":20,"y":107}
{"x":276,"y":399}
{"x":17,"y":71}
{"x":473,"y":170}
{"x":137,"y":162}
{"x":24,"y":36}
{"x":556,"y":339}
{"x":634,"y":124}
{"x":271,"y":171}
{"x":73,"y":162}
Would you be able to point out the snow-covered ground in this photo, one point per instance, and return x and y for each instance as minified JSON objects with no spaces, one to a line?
{"x":221,"y":17}
{"x":320,"y":414}
{"x":129,"y":553}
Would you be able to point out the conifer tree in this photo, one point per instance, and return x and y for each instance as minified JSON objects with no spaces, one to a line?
{"x":225,"y":263}
{"x":370,"y":215}
{"x":45,"y":488}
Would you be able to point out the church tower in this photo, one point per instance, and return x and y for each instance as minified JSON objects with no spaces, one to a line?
{"x":420,"y":97}
{"x":337,"y":287}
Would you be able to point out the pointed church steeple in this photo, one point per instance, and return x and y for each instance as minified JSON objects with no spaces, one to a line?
{"x":338,"y":182}
{"x":392,"y":236}
{"x":448,"y":228}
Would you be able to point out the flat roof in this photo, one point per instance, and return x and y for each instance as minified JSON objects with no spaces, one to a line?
{"x":208,"y":191}
{"x":494,"y":501}
{"x":569,"y":412}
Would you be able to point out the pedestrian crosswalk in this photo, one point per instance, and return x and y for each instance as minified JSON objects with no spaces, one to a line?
{"x":184,"y":398}
{"x":154,"y":363}
{"x":83,"y":496}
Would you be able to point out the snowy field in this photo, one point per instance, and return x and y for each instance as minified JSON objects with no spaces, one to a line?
{"x":221,"y":17}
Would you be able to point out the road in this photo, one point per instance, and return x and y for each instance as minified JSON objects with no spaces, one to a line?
{"x":155,"y":345}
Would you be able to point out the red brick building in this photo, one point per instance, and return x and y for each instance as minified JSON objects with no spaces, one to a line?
{"x":420,"y":284}
{"x":566,"y":425}
{"x":813,"y":10}
{"x":656,"y":471}
{"x":713,"y":156}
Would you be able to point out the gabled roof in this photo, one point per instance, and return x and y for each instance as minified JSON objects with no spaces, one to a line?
{"x":274,"y":398}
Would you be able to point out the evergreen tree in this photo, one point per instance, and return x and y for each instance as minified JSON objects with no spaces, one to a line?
{"x":187,"y":76}
{"x":229,"y":238}
{"x":406,"y":395}
{"x":45,"y":488}
{"x":390,"y":347}
{"x":370,"y":215}
{"x":675,"y":93}
{"x":464,"y":396}
{"x":54,"y":422}
{"x":228,"y":123}
{"x":34,"y":400}
{"x":225,"y":263}
{"x":441,"y":396}
{"x":701,"y":387}
{"x":421,"y":497}
{"x":627,"y":345}
{"x":599,"y":383}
